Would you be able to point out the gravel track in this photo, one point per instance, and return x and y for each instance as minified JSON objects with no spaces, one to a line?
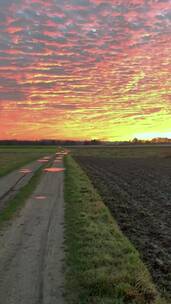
{"x":31,"y":248}
{"x":11,"y":183}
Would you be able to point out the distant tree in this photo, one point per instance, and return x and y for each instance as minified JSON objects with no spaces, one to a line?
{"x":137,"y":141}
{"x":95,"y":142}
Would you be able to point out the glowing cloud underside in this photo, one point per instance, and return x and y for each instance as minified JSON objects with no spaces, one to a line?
{"x":80,"y":69}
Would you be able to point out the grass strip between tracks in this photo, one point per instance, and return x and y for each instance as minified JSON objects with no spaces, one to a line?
{"x":102,"y":266}
{"x":20,"y":198}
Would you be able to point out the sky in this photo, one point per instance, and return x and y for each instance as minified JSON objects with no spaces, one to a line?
{"x":85,"y":69}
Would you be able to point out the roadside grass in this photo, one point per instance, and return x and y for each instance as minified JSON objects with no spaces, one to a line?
{"x":102,"y":266}
{"x":12,"y":158}
{"x":28,"y":148}
{"x":16,"y":203}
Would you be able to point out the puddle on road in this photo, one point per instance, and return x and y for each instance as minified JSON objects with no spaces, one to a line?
{"x":43,"y":160}
{"x":54,"y":169}
{"x":25,"y":171}
{"x":40,"y":197}
{"x":62,"y":153}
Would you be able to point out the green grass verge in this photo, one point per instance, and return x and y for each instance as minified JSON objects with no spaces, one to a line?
{"x":11,"y":162}
{"x":18,"y":201}
{"x":102,"y":266}
{"x":12,"y":158}
{"x":28,"y":148}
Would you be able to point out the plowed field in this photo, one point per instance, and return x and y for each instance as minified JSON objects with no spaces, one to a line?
{"x":138,"y":193}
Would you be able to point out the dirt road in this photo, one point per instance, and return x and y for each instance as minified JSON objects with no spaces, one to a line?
{"x":31,"y":248}
{"x":11,"y":183}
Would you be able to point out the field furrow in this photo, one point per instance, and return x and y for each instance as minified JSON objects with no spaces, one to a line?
{"x":138,"y":193}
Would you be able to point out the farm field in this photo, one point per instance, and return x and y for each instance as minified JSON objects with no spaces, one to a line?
{"x":133,"y":151}
{"x":102,"y":266}
{"x":136,"y":186}
{"x":13,"y":157}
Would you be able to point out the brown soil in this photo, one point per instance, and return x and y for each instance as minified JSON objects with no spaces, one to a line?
{"x":138,"y":193}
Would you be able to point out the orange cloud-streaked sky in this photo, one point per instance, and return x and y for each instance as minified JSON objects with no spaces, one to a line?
{"x":82,"y":69}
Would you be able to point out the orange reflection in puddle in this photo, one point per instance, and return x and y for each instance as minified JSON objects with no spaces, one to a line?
{"x":54,"y":169}
{"x":40,"y":197}
{"x":25,"y":171}
{"x":43,"y":160}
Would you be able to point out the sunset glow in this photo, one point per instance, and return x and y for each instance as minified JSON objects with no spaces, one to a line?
{"x":83,"y":69}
